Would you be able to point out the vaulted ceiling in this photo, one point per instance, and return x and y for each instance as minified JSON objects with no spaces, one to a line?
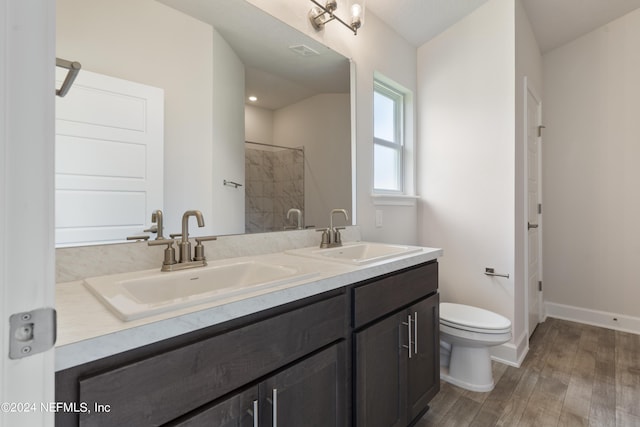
{"x":554,"y":22}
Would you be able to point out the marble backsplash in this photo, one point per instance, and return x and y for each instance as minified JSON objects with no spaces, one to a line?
{"x":88,"y":261}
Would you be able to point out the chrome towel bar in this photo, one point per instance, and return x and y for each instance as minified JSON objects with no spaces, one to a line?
{"x":491,"y":272}
{"x":74,"y":69}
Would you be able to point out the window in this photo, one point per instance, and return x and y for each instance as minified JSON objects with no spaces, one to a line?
{"x":388,"y":144}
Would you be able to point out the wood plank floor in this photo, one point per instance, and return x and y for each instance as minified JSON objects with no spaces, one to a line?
{"x":573,"y":375}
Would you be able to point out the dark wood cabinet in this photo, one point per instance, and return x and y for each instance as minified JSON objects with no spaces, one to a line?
{"x":423,"y":370}
{"x":168,"y":381}
{"x":380,"y":371}
{"x":309,"y":393}
{"x":331,"y":360}
{"x":396,"y":361}
{"x":239,"y":410}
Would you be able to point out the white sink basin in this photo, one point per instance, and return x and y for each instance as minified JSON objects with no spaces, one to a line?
{"x":358,"y":253}
{"x":140,"y":294}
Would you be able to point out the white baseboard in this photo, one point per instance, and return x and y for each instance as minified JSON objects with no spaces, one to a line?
{"x":511,"y":354}
{"x":618,"y":322}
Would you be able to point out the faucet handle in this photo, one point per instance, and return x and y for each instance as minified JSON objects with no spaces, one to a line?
{"x":138,"y":238}
{"x":337,"y":238}
{"x":326,"y":237}
{"x":199,"y":249}
{"x":169,"y":252}
{"x":206,"y":238}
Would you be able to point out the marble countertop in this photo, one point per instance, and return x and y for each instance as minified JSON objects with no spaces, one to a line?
{"x":88,"y":331}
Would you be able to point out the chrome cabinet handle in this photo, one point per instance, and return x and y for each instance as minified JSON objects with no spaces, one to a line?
{"x":254,"y":413}
{"x":530,"y":226}
{"x":275,"y":407}
{"x":408,"y":325}
{"x":415,"y":332}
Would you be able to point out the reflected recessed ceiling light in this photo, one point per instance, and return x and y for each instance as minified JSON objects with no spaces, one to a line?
{"x":253,"y":98}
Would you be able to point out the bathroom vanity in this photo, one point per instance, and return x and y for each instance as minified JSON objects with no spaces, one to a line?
{"x":356,"y":346}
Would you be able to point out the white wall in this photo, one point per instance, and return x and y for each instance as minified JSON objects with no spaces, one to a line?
{"x":591,"y":156}
{"x":377,"y":47}
{"x":466,"y":157}
{"x":227,"y":155}
{"x":321,"y":124}
{"x":258,"y":124}
{"x":144,"y":41}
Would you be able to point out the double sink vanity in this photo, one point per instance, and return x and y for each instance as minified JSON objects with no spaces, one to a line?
{"x":310,"y":336}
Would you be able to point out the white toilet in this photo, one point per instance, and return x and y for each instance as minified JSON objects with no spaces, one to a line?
{"x":466,"y":333}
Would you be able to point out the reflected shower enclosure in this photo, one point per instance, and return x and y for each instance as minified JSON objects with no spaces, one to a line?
{"x":274,"y":178}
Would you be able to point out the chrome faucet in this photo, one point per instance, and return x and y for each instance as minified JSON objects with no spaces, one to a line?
{"x":331,"y":236}
{"x":185,"y":245}
{"x":298,"y":218}
{"x":158,"y":227}
{"x":184,"y":260}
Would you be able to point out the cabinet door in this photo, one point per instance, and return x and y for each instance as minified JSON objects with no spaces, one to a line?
{"x":381,"y":363}
{"x":423,"y":379}
{"x":310,"y":393}
{"x":239,"y":410}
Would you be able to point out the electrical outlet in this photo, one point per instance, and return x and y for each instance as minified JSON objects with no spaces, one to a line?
{"x":378,"y":218}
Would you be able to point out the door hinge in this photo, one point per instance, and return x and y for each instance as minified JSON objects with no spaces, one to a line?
{"x":540,"y":130}
{"x":539,"y":208}
{"x":540,"y":286}
{"x":31,"y":332}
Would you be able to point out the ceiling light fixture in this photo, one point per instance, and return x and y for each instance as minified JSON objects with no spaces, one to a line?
{"x":320,"y":15}
{"x":253,"y":98}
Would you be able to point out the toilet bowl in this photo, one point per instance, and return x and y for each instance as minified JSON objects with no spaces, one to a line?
{"x":466,"y":333}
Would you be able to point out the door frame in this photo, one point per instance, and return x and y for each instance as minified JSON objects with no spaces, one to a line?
{"x":531,"y":89}
{"x":27,"y":254}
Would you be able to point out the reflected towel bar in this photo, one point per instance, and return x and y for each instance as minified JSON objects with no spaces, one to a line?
{"x":74,"y":68}
{"x":231,"y":184}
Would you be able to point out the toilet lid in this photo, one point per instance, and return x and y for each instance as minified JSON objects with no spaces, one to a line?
{"x":472,"y":317}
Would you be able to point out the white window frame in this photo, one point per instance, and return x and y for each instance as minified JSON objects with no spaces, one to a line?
{"x":398,"y":145}
{"x":406,"y":128}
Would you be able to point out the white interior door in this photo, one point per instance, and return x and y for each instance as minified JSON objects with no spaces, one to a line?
{"x":27,"y":60}
{"x":534,"y":212}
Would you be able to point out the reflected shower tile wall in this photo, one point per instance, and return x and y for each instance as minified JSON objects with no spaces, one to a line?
{"x":275,"y":184}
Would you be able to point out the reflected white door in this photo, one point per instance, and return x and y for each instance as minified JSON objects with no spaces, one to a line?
{"x":109,"y":159}
{"x":534,"y":217}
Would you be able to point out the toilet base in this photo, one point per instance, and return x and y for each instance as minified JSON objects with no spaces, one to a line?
{"x":444,"y":376}
{"x":469,"y":368}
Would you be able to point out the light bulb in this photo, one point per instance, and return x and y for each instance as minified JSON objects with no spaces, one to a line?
{"x":356,"y":10}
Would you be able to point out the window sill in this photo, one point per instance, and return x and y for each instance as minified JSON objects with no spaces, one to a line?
{"x":394,"y":200}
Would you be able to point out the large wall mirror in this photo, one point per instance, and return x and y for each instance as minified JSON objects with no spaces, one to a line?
{"x":289,"y":150}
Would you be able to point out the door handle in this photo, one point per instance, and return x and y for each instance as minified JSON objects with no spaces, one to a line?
{"x":408,"y":325}
{"x":415,"y":332}
{"x":275,"y":408}
{"x":254,"y":413}
{"x":530,"y":226}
